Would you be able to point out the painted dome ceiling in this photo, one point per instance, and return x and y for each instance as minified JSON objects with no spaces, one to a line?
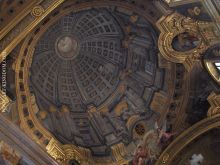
{"x":78,"y":60}
{"x":112,"y":82}
{"x":95,"y":59}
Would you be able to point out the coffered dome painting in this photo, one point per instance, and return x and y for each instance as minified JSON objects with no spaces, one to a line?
{"x":92,"y":72}
{"x":109,"y":82}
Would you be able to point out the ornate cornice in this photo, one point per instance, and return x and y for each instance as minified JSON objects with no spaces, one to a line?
{"x":19,"y":17}
{"x":175,"y":24}
{"x":185,"y":138}
{"x":15,"y":34}
{"x":170,"y":26}
{"x":27,"y":104}
{"x":11,"y":134}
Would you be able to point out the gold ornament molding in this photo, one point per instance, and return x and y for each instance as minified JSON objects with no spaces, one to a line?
{"x":37,"y":11}
{"x":214,"y":101}
{"x":4,"y":101}
{"x":19,"y":29}
{"x":61,"y":152}
{"x":185,"y":138}
{"x":175,"y":24}
{"x":18,"y":18}
{"x":27,"y":106}
{"x":11,"y":37}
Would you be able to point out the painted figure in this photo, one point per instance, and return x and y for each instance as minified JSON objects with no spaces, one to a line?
{"x":140,"y":155}
{"x":185,"y":42}
{"x":151,"y":145}
{"x":163,"y":135}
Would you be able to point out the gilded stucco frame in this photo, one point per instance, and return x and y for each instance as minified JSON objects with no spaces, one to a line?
{"x":62,"y":153}
{"x":27,"y":104}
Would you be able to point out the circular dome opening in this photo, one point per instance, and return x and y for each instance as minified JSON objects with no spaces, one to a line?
{"x":80,"y":62}
{"x":67,"y":47}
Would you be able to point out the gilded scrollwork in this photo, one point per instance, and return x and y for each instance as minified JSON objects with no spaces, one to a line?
{"x":55,"y":150}
{"x":165,"y":158}
{"x":170,"y":26}
{"x":37,"y":11}
{"x":28,"y":23}
{"x":19,"y":16}
{"x":186,"y":137}
{"x":28,"y":110}
{"x":183,"y":40}
{"x":214,"y":101}
{"x":4,"y":101}
{"x":212,"y":121}
{"x":81,"y":155}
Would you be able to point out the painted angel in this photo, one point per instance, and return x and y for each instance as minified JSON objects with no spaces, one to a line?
{"x":163,"y":135}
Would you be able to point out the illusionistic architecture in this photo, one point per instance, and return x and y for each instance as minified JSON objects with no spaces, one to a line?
{"x":110,"y":82}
